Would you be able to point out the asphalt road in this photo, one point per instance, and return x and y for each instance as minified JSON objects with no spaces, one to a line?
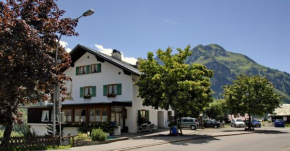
{"x":276,"y":141}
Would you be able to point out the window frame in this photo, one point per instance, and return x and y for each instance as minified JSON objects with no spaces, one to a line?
{"x":94,"y":68}
{"x":112,"y":94}
{"x":84,"y":67}
{"x":71,"y":112}
{"x":80,"y":115}
{"x":90,"y":91}
{"x":47,"y":116}
{"x":101,"y":115}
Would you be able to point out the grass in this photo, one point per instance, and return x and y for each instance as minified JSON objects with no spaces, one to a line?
{"x":287,"y":125}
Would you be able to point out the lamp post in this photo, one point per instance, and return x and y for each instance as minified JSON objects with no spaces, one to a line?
{"x":56,"y":87}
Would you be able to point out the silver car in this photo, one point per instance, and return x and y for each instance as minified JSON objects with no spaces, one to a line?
{"x":188,"y":122}
{"x":237,"y":123}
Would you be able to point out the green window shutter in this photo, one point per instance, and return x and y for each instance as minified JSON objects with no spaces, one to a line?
{"x":82,"y":92}
{"x":105,"y":89}
{"x":99,"y":68}
{"x":77,"y":70}
{"x":147,"y":115}
{"x":119,"y":89}
{"x":94,"y":91}
{"x":88,"y":69}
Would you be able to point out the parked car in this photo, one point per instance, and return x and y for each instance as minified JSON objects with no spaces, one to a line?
{"x":254,"y":123}
{"x":279,"y":123}
{"x":237,"y":123}
{"x":189,"y":122}
{"x":212,"y":123}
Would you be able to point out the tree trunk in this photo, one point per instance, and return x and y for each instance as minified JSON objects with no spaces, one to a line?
{"x":7,"y":134}
{"x":250,"y":121}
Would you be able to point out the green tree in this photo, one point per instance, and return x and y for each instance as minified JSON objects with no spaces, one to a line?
{"x":176,"y":85}
{"x":252,"y":95}
{"x":216,"y":109}
{"x":28,"y":39}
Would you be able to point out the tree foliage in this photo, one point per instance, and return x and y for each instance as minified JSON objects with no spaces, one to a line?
{"x":252,"y":95}
{"x":216,"y":109}
{"x":28,"y":40}
{"x":175,"y":85}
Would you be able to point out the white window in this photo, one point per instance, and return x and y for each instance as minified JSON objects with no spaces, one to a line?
{"x":88,"y":91}
{"x":45,"y":116}
{"x":112,"y":89}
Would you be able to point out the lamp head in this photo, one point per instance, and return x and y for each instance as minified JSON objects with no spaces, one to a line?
{"x":88,"y":12}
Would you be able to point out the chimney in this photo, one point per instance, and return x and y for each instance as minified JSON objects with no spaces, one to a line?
{"x":117,"y":54}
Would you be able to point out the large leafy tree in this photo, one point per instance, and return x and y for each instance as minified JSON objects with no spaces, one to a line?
{"x":28,"y":39}
{"x":252,"y":95}
{"x":216,"y":109}
{"x":174,"y":84}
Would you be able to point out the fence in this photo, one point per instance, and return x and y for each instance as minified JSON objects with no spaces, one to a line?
{"x":28,"y":143}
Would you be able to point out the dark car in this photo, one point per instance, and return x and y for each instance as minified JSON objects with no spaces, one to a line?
{"x":279,"y":123}
{"x":212,"y":123}
{"x":254,"y":123}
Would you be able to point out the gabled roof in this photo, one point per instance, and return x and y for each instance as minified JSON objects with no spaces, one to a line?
{"x":283,"y":110}
{"x":80,"y":50}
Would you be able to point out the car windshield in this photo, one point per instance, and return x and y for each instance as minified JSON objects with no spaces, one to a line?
{"x":239,"y":120}
{"x":279,"y":120}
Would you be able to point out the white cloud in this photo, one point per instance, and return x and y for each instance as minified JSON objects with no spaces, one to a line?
{"x":171,"y":21}
{"x":65,"y":44}
{"x":67,"y":49}
{"x":108,"y":51}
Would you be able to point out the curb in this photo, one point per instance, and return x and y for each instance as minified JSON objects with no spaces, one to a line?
{"x":175,"y":141}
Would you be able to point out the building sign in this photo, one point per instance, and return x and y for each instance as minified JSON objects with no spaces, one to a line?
{"x":285,"y":118}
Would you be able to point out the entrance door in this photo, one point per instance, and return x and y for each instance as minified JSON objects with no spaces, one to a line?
{"x":119,"y":119}
{"x":160,"y":118}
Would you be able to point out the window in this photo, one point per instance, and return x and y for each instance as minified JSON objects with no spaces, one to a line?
{"x":143,"y":116}
{"x":88,"y":91}
{"x":98,"y":115}
{"x":82,"y":70}
{"x":112,"y":90}
{"x":80,"y":115}
{"x":67,"y":115}
{"x":45,"y":116}
{"x":96,"y":68}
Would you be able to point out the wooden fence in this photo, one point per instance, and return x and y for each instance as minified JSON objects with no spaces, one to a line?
{"x":28,"y":143}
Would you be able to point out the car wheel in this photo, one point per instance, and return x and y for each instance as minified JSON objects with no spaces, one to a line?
{"x":193,"y":127}
{"x":215,"y":126}
{"x":231,"y":125}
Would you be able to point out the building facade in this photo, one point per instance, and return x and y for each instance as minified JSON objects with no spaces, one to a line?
{"x":102,"y":90}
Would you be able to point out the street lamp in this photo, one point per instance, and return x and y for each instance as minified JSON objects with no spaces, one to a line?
{"x":56,"y":89}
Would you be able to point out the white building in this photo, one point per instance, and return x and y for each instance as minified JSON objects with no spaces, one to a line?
{"x":102,"y":90}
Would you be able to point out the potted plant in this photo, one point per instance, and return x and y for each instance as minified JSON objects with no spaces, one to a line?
{"x":111,"y":95}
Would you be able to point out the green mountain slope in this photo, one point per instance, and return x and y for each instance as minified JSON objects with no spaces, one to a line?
{"x":228,"y":65}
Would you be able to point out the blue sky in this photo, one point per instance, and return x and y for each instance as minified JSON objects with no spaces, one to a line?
{"x":259,"y":29}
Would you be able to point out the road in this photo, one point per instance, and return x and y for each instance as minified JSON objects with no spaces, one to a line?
{"x":250,"y":142}
{"x":226,"y":139}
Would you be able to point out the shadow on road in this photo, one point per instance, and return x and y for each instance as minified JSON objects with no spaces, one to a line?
{"x":259,"y":131}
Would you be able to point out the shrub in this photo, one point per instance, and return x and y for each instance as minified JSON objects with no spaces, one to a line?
{"x":98,"y":135}
{"x":82,"y":136}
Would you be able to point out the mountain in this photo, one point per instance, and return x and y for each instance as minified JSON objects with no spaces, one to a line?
{"x":228,"y":65}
